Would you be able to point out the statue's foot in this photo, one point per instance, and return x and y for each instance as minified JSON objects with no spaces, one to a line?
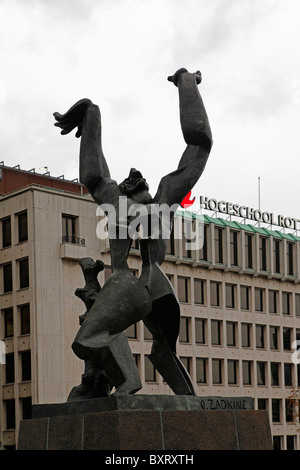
{"x":90,"y":387}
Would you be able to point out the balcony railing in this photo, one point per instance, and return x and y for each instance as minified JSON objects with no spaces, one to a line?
{"x":74,"y":240}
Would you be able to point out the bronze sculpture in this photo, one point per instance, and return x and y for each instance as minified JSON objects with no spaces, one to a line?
{"x":125,"y":299}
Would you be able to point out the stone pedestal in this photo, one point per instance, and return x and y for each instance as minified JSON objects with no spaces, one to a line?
{"x":142,"y":422}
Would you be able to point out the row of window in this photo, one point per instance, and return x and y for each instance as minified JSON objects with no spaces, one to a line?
{"x":10,"y":411}
{"x":250,"y":335}
{"x":247,"y":373}
{"x":291,"y":442}
{"x":7,"y":275}
{"x":226,"y":333}
{"x":22,"y":229}
{"x":69,"y":229}
{"x":23,"y":321}
{"x":25,"y":366}
{"x":237,"y":372}
{"x":283,"y":258}
{"x":70,"y":235}
{"x":278,"y":301}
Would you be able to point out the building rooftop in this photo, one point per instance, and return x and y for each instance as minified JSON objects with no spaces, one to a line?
{"x":14,"y":178}
{"x":240,"y":226}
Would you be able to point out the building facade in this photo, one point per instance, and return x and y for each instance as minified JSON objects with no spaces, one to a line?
{"x":239,"y":293}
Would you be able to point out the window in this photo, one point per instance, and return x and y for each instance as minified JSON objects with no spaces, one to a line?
{"x":249,"y":251}
{"x":150,"y":374}
{"x":8,"y":322}
{"x":276,"y":256}
{"x":22,"y":227}
{"x":290,"y":442}
{"x":233,"y":248}
{"x":69,"y":229}
{"x":186,"y":361}
{"x":230,"y":295}
{"x":216,"y":332}
{"x":232,"y":371}
{"x":274,"y":331}
{"x":247,"y":379}
{"x":259,"y":300}
{"x":231,"y":333}
{"x":6,"y":232}
{"x":186,"y":238}
{"x":215,"y":294}
{"x":25,"y":319}
{"x":286,"y":339}
{"x":286,"y":303}
{"x":170,"y":249}
{"x":244,"y":292}
{"x":288,"y":379}
{"x":297,"y":304}
{"x":23,"y":273}
{"x":131,"y":331}
{"x":260,"y":336}
{"x":274,"y":373}
{"x":217,"y":371}
{"x":199,"y":291}
{"x":273,"y":295}
{"x":203,"y":243}
{"x":262,"y":404}
{"x":261,"y":373}
{"x":277,"y":442}
{"x":26,"y":407}
{"x":9,"y":368}
{"x":290,"y":258}
{"x":262,"y":253}
{"x":7,"y":278}
{"x":201,"y":365}
{"x":246,"y":338}
{"x":218,"y":245}
{"x":10,"y":414}
{"x":200,"y":330}
{"x":26,"y":365}
{"x":183,"y":291}
{"x":298,"y":337}
{"x":184,"y":330}
{"x":275,"y":410}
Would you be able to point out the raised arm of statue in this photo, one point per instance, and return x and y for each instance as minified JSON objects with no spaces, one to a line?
{"x":93,"y":169}
{"x":197,"y":134}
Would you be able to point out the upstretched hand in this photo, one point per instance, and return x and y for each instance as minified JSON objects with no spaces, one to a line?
{"x":73,"y":117}
{"x":174,"y":78}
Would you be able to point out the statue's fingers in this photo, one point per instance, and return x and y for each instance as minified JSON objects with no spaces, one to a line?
{"x":58,"y":116}
{"x":58,"y":124}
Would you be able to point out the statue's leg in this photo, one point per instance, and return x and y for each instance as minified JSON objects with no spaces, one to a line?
{"x":122,"y":301}
{"x":94,"y":383}
{"x":164,"y":322}
{"x":113,"y":355}
{"x":172,"y":370}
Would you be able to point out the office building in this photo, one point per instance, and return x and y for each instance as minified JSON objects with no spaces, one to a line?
{"x":239,"y":294}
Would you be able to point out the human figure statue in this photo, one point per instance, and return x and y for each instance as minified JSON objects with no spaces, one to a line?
{"x":125,"y":299}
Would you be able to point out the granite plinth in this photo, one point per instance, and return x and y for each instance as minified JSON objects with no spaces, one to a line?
{"x":159,"y":426}
{"x":143,"y":402}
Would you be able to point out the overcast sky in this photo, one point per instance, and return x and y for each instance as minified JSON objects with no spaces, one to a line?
{"x":119,"y":53}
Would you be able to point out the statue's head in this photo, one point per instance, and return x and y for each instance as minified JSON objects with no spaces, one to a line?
{"x":135,"y":185}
